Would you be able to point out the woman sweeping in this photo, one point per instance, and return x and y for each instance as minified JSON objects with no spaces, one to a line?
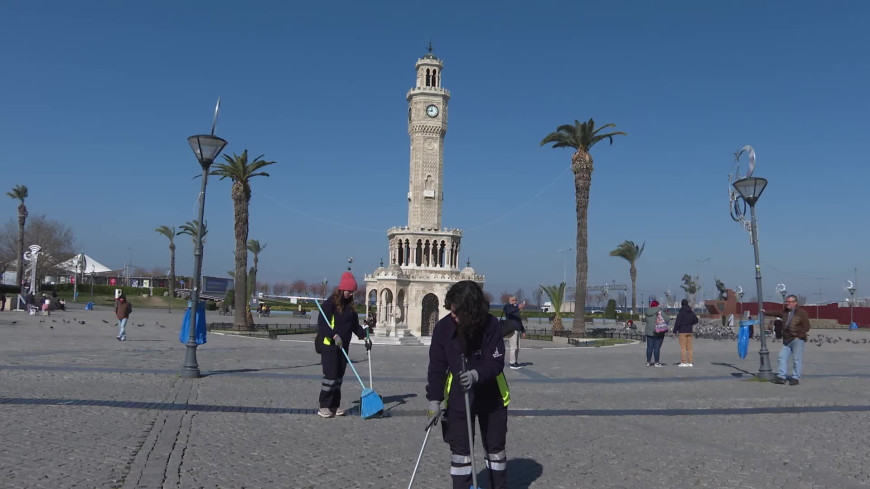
{"x":469,"y":330}
{"x":341,"y":320}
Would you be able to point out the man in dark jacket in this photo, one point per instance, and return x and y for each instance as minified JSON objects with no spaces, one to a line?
{"x":122,"y":312}
{"x":469,"y":331}
{"x":686,"y":318}
{"x":512,"y":313}
{"x":796,"y":325}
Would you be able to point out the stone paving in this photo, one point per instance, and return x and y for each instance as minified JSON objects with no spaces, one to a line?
{"x":79,"y":409}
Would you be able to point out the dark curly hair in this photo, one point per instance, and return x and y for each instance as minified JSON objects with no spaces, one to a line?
{"x":466,"y":300}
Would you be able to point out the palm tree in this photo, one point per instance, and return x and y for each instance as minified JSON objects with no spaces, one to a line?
{"x":170,"y":233}
{"x":630,"y":252}
{"x":19,"y":192}
{"x":556,"y":293}
{"x":240,"y":171}
{"x":191,"y":227}
{"x":254,"y":247}
{"x":581,"y":137}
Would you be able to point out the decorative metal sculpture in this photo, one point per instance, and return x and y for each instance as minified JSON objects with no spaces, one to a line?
{"x":32,"y":257}
{"x":736,"y":203}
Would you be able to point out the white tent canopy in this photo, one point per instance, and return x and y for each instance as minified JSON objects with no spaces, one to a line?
{"x":90,"y":265}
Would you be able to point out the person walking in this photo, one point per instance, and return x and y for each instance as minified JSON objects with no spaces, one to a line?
{"x":796,"y":325}
{"x":2,"y":301}
{"x":122,"y":312}
{"x":654,"y":339}
{"x":512,"y":313}
{"x":686,"y":318}
{"x":471,"y":331}
{"x":335,"y":325}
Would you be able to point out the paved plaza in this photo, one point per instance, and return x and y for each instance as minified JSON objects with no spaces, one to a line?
{"x":79,"y":409}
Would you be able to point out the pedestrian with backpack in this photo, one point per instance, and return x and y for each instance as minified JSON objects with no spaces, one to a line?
{"x":655,"y":329}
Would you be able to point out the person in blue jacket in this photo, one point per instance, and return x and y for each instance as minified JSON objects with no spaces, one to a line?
{"x":469,"y":330}
{"x":340,"y":322}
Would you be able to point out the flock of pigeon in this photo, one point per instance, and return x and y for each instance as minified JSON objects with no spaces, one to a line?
{"x":78,"y":321}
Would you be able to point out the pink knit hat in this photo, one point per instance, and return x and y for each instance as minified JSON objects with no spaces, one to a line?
{"x":347,"y":282}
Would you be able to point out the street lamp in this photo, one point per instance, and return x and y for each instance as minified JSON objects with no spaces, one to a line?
{"x":565,"y":264}
{"x":740,"y":295}
{"x":206,"y":147}
{"x":750,"y":189}
{"x":32,"y":256}
{"x":851,"y":289}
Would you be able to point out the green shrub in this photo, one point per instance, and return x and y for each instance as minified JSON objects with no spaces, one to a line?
{"x":610,"y":309}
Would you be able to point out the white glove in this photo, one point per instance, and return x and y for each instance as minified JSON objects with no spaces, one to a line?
{"x":468,"y":378}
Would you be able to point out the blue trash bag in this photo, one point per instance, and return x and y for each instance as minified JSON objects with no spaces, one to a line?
{"x":853,"y":326}
{"x":89,"y":306}
{"x":743,"y":338}
{"x":199,"y":331}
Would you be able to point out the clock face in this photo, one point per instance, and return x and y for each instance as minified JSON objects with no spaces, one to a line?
{"x":432,"y":111}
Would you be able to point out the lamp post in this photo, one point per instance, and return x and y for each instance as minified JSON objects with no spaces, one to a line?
{"x":206,"y":147}
{"x":565,"y":264}
{"x":168,"y":281}
{"x":32,"y":256}
{"x":750,"y":188}
{"x":851,"y":289}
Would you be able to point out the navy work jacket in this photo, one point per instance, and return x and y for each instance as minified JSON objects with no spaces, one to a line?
{"x":490,"y":392}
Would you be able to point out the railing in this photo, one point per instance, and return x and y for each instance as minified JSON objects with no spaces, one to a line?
{"x":270,"y":330}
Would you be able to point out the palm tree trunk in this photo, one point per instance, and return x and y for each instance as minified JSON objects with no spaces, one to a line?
{"x":240,"y":224}
{"x":171,"y":271}
{"x":581,"y":165}
{"x":633,"y":273}
{"x":22,"y":217}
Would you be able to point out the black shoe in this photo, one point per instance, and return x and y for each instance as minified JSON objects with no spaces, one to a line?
{"x":778,"y":380}
{"x":793,"y":381}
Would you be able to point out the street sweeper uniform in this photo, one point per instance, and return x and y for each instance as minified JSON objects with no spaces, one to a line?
{"x":489,"y":396}
{"x":334,"y":363}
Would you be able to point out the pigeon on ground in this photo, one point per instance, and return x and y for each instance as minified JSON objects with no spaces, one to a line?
{"x":105,"y":321}
{"x":81,"y":322}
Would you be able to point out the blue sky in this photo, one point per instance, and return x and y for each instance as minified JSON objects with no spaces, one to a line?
{"x":98,"y":98}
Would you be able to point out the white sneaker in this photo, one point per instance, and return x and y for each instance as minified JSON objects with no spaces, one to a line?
{"x":683,"y":365}
{"x":339,"y":412}
{"x":690,"y":364}
{"x":325,"y":413}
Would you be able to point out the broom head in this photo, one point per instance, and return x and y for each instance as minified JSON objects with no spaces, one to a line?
{"x":370,"y":404}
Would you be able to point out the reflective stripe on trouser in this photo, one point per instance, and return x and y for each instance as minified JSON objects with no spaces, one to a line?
{"x":493,"y":428}
{"x":460,"y":465}
{"x":334,"y":365}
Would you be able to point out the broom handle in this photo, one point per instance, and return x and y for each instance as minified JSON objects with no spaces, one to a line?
{"x":425,"y":439}
{"x":371,"y":386}
{"x":342,"y":349}
{"x":470,"y":432}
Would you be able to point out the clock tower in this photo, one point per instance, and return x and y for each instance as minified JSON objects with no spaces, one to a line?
{"x":427,"y":125}
{"x":424,"y":257}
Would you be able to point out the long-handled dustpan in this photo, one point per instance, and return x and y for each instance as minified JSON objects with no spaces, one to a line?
{"x":470,"y":433}
{"x":370,"y":402}
{"x":420,"y":456}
